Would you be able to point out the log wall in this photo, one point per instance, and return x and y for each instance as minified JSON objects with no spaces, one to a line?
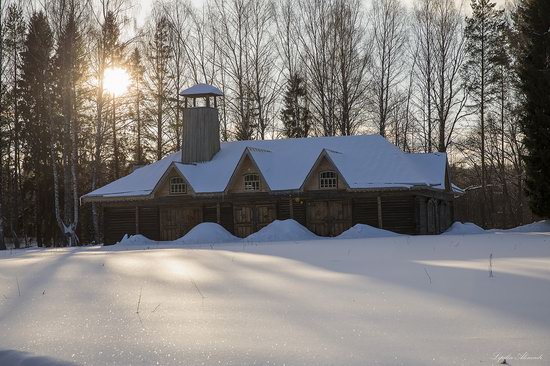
{"x":324,"y":213}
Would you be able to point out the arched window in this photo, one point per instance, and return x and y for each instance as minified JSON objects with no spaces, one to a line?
{"x":177,"y":186}
{"x":328,"y":179}
{"x":251,"y":182}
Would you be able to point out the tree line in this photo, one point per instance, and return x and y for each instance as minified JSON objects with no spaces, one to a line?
{"x":432,"y":77}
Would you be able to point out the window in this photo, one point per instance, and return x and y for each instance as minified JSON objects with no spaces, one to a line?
{"x":177,"y":186}
{"x":327,"y":180}
{"x":251,"y":182}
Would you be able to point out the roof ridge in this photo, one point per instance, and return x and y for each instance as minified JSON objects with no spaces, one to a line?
{"x":257,"y":149}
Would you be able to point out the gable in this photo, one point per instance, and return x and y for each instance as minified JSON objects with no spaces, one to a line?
{"x":163,"y":187}
{"x":323,"y":164}
{"x":245,"y":166}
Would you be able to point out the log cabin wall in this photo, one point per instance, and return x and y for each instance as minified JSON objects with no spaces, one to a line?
{"x":117,"y":222}
{"x":398,"y":214}
{"x":323,"y":212}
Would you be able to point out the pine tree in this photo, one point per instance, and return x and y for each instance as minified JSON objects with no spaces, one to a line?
{"x":483,"y":37}
{"x":109,"y":53}
{"x":137,"y":72}
{"x":14,"y":43}
{"x":2,"y":134}
{"x":70,"y":74}
{"x":295,"y":115}
{"x":159,"y":55}
{"x":36,"y":81}
{"x":532,"y":20}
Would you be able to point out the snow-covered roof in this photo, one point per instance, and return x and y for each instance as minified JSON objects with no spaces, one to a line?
{"x":201,"y":90}
{"x":365,"y":162}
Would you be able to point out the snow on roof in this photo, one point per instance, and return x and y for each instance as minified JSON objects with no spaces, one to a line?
{"x":425,"y":164}
{"x":365,"y":162}
{"x":201,"y":90}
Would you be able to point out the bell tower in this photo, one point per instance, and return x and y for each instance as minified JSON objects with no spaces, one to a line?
{"x":201,"y":126}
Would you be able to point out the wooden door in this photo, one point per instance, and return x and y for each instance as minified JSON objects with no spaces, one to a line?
{"x":265,"y":215}
{"x":328,"y":218}
{"x":339,"y":217}
{"x":177,"y":221}
{"x":317,"y":217}
{"x":251,"y":218}
{"x":243,"y":220}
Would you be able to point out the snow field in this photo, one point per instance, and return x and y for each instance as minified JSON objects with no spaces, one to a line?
{"x":400,"y":300}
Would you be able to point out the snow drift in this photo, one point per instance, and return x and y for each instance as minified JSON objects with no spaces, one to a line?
{"x":136,"y":240}
{"x":282,"y":230}
{"x":207,"y":232}
{"x":542,"y":226}
{"x":467,"y":228}
{"x":361,"y":231}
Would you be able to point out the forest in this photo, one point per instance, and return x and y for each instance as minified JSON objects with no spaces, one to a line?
{"x":89,"y":92}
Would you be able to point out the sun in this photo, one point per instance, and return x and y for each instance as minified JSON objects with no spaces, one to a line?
{"x":116,"y":80}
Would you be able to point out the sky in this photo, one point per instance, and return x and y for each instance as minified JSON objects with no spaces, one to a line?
{"x":145,"y":6}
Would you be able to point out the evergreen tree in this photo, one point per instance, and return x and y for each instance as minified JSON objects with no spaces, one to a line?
{"x":480,"y":72}
{"x":113,"y":51}
{"x":159,"y":54}
{"x":295,"y":115}
{"x":244,"y":124}
{"x":137,"y":72}
{"x":70,"y":75}
{"x":532,"y":19}
{"x":2,"y":132}
{"x":14,"y":29}
{"x":36,"y":81}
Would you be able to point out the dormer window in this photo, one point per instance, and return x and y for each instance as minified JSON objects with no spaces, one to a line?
{"x":328,"y":180}
{"x":251,"y":182}
{"x":177,"y":186}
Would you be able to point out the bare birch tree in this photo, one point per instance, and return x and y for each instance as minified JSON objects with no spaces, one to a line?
{"x":449,"y":94}
{"x":318,"y":56}
{"x":352,"y":61}
{"x":389,"y":37}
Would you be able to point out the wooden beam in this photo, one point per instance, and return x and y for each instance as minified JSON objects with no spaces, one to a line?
{"x":218,"y":213}
{"x":291,"y":207}
{"x":379,"y":203}
{"x":137,"y":219}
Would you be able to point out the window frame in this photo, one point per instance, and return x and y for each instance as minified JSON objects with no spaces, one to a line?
{"x":181,"y":184}
{"x":252,"y":185}
{"x":324,"y":181}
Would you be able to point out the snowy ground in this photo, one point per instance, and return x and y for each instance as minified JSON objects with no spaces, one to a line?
{"x":390,"y":301}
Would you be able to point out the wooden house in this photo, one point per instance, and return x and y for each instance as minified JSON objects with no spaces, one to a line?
{"x":327,"y":184}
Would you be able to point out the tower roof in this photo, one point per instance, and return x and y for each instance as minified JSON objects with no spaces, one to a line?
{"x":201,"y":90}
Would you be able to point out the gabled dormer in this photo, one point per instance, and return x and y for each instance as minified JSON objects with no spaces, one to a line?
{"x":174,"y":184}
{"x":324,"y":175}
{"x":247,"y":177}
